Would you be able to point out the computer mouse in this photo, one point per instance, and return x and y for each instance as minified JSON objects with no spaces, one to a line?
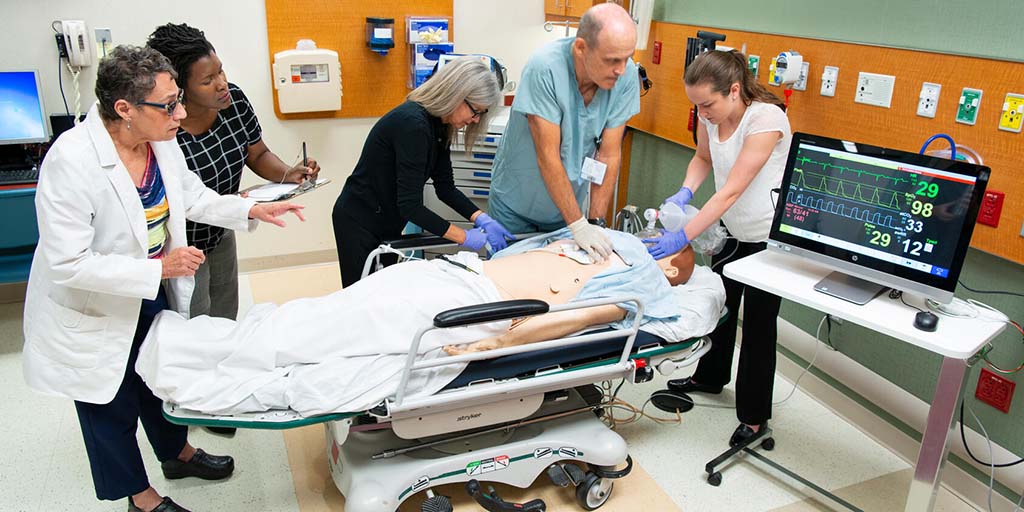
{"x":926,"y":321}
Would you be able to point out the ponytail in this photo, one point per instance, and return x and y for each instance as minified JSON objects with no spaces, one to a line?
{"x":721,"y":69}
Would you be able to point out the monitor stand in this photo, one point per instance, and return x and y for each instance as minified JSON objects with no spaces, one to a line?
{"x":848,"y":288}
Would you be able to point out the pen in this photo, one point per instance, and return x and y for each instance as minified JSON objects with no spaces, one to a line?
{"x":305,"y":162}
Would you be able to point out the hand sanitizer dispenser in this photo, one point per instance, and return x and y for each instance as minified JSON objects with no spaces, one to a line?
{"x":307,"y":79}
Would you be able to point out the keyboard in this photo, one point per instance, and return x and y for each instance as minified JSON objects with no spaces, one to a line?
{"x":18,"y":176}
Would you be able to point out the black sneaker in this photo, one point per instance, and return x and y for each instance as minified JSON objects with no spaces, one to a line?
{"x":167,"y":505}
{"x":201,"y":465}
{"x":688,"y":385}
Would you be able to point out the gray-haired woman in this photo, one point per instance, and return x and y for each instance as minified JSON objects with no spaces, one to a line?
{"x":112,"y":199}
{"x":408,"y":146}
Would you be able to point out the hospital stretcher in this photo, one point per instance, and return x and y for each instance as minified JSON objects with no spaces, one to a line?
{"x":511,"y":414}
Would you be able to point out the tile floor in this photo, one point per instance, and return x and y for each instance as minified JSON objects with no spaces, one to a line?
{"x":44,"y":467}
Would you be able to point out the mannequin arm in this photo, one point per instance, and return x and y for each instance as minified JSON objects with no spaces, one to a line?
{"x":544,"y":327}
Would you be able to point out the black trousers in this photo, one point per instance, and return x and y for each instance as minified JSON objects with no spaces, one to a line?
{"x":755,"y":375}
{"x":109,"y":429}
{"x":354,"y":243}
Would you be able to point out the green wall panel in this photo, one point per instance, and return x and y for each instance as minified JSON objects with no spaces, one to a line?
{"x":969,"y":27}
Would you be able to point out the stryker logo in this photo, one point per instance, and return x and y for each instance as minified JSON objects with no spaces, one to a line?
{"x":467,"y":417}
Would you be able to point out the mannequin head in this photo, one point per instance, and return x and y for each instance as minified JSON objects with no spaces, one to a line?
{"x":678,"y":267}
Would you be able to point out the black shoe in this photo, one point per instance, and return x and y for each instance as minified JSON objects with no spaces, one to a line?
{"x":224,"y":431}
{"x":743,"y":433}
{"x":167,"y":505}
{"x":688,"y":385}
{"x":202,"y":465}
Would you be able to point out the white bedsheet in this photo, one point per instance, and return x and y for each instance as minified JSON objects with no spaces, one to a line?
{"x":345,"y":351}
{"x":359,"y":337}
{"x":700,"y":301}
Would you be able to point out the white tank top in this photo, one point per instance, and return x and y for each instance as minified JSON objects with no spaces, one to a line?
{"x":750,"y":217}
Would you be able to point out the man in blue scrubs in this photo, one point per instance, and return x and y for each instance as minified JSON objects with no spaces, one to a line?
{"x":563,"y":143}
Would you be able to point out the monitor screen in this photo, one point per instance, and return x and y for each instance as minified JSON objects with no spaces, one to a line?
{"x":21,"y":108}
{"x":898,"y":219}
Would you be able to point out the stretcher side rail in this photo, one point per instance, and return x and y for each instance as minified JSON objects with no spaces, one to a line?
{"x":465,"y":396}
{"x":414,"y":242}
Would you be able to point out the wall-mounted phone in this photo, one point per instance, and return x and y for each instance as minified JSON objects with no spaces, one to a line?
{"x":77,"y":41}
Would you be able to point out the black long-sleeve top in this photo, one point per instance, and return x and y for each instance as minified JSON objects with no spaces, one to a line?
{"x":405,"y":148}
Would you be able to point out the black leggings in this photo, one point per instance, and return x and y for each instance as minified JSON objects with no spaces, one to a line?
{"x":354,"y":244}
{"x":755,"y":376}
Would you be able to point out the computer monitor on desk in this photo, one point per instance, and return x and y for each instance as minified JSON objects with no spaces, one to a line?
{"x":22,"y":117}
{"x":879,"y":217}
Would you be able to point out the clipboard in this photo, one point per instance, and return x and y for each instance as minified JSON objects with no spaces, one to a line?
{"x":270,"y":192}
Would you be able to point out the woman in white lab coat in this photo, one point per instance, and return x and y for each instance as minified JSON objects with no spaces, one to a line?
{"x":112,"y":199}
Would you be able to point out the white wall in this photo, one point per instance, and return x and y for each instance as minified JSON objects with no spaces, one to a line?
{"x":238,"y":29}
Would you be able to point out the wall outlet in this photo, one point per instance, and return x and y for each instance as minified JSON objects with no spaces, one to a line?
{"x":970,"y":102}
{"x":991,"y":207}
{"x":874,"y":89}
{"x":995,"y":390}
{"x":754,"y":65}
{"x":801,"y":83}
{"x":829,"y":77}
{"x":1013,"y":113}
{"x":771,"y":72}
{"x":928,"y":101}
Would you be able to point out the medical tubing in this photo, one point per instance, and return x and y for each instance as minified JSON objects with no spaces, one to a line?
{"x":952,"y":145}
{"x":992,"y":468}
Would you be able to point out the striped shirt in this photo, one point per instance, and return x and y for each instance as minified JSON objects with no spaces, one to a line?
{"x":218,"y":156}
{"x":154,"y":203}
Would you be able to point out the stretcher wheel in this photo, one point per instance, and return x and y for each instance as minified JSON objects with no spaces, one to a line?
{"x":594,"y":491}
{"x":436,"y":503}
{"x":715,"y":479}
{"x":768,"y":444}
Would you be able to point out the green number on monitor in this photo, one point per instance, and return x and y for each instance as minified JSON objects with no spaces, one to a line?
{"x":927,"y":189}
{"x":879,"y":238}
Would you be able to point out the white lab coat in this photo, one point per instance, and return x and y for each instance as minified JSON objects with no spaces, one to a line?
{"x":90,"y":271}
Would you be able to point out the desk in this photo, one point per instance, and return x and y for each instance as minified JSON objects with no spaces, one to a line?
{"x":956,"y":340}
{"x":18,"y":233}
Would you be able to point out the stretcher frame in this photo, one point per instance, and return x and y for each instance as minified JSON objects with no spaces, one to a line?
{"x":510,"y":430}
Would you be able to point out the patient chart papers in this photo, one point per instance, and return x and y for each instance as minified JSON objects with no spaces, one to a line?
{"x":278,"y":191}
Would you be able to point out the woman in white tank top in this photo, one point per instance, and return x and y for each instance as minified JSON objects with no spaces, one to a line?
{"x":743,"y":137}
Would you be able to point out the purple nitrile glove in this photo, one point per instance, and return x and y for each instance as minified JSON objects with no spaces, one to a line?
{"x":681,"y":198}
{"x":497,"y":235}
{"x":475,"y":239}
{"x":667,"y":244}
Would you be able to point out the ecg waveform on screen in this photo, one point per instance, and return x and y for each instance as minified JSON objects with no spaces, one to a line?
{"x":851,"y":189}
{"x":838,"y":208}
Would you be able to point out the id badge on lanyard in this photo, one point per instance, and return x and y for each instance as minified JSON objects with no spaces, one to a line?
{"x":593,"y":170}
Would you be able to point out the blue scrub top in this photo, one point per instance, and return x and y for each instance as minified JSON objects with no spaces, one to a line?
{"x":548,"y":88}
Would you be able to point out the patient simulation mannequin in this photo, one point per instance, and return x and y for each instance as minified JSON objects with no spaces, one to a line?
{"x":346,"y":351}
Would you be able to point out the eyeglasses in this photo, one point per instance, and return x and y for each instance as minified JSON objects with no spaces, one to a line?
{"x":476,"y":113}
{"x":169,"y":107}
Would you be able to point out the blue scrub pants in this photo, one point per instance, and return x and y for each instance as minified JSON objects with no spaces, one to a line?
{"x":109,"y":429}
{"x":516,"y":223}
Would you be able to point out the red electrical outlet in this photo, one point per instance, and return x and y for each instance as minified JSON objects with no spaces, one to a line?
{"x":656,"y":56}
{"x":991,"y":207}
{"x":995,"y":390}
